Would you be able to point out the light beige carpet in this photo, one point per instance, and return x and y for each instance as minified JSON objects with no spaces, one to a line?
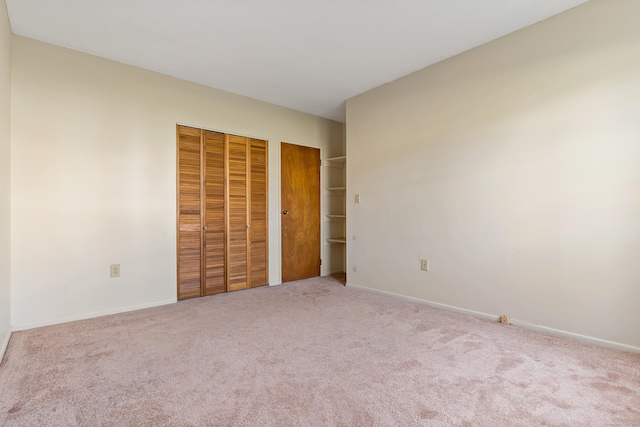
{"x":310,"y":353}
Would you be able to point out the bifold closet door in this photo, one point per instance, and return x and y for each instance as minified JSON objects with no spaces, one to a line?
{"x":214,"y":214}
{"x":237,"y":208}
{"x":189,"y":207}
{"x":222,"y":212}
{"x":258,"y":202}
{"x":247,"y":237}
{"x":201,"y":213}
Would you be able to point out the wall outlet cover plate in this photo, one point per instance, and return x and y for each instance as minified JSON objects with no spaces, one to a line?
{"x":114,"y":270}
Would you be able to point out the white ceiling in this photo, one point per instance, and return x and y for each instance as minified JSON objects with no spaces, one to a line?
{"x":309,"y":55}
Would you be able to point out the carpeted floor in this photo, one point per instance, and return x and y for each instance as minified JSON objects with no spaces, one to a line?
{"x":310,"y":353}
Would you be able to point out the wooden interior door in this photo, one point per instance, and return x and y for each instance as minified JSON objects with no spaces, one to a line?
{"x":300,"y":195}
{"x":189,"y":233}
{"x":213,"y":208}
{"x":238,"y":210}
{"x":259,"y":208}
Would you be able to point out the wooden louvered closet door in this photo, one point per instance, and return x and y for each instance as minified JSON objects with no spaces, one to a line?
{"x":189,"y":212}
{"x":222,"y":212}
{"x":237,"y":221}
{"x":214,"y":214}
{"x":259,"y":232}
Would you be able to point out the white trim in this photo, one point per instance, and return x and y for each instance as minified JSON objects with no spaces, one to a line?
{"x":574,"y":336}
{"x":90,"y":315}
{"x":519,"y":323}
{"x":5,"y":344}
{"x":427,"y":302}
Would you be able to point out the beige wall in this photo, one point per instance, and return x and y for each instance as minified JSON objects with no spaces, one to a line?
{"x":93,"y":169}
{"x":5,"y":175}
{"x":515,"y":169}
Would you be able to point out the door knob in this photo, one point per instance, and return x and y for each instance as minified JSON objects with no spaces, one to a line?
{"x":204,"y":228}
{"x":285,"y":212}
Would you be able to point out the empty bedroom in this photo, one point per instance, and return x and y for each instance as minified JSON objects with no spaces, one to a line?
{"x":280,"y":213}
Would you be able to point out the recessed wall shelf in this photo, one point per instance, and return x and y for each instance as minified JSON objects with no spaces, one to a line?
{"x":336,"y":202}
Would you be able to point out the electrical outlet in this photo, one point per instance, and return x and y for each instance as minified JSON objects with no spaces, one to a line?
{"x":357,"y":198}
{"x":424,"y":264}
{"x":504,"y":320}
{"x":355,"y":269}
{"x":114,"y":270}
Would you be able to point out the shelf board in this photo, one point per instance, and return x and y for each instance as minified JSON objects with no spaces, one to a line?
{"x":339,"y":159}
{"x":337,"y":240}
{"x":336,"y":188}
{"x":336,"y":216}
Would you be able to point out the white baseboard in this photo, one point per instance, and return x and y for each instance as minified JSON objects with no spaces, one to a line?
{"x":427,"y":302}
{"x":577,"y":337}
{"x":5,"y":344}
{"x":25,"y":326}
{"x":514,"y":322}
